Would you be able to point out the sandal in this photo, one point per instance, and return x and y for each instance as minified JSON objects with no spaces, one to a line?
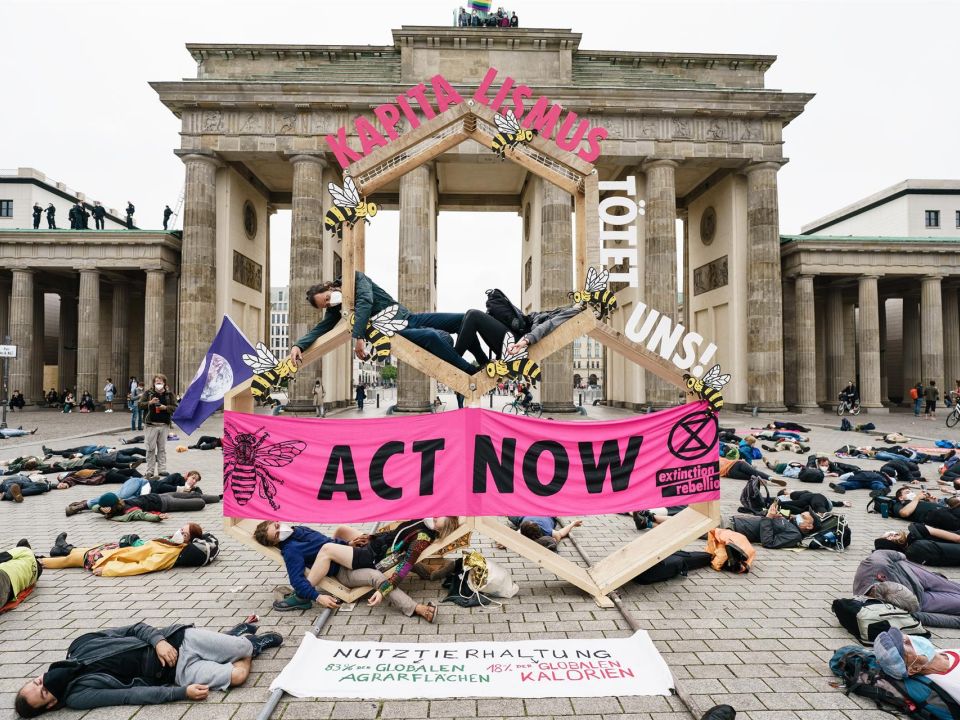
{"x":433,"y":617}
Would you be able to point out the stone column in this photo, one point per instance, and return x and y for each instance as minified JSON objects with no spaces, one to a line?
{"x":764,"y":313}
{"x":820,"y":320}
{"x":806,"y":333}
{"x":35,"y":390}
{"x":198,"y":281}
{"x":120,"y":346}
{"x":660,"y":261}
{"x":849,"y":362}
{"x":911,"y":347}
{"x":4,"y":307}
{"x":868,"y":342}
{"x":416,"y":275}
{"x":951,"y":337}
{"x":67,"y":351}
{"x":21,"y":330}
{"x":306,"y":262}
{"x":790,"y":342}
{"x":88,"y":336}
{"x":556,"y":277}
{"x":834,"y":342}
{"x":882,"y":317}
{"x":931,"y":330}
{"x":153,"y":328}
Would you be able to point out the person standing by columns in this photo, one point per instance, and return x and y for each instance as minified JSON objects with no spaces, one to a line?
{"x":99,"y":213}
{"x":51,"y":217}
{"x":130,"y":210}
{"x":158,"y":402}
{"x":109,"y":391}
{"x":167,"y":212}
{"x":37,"y":212}
{"x":932,"y":395}
{"x":318,"y":398}
{"x":361,"y":396}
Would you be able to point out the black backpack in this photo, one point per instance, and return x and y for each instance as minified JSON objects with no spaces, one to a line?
{"x":834,"y":533}
{"x":200,"y":552}
{"x":755,"y":498}
{"x":500,"y":308}
{"x":865,"y":618}
{"x":915,"y":697}
{"x":679,"y":563}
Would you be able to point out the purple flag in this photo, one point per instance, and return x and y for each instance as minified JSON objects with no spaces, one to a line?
{"x":222,"y":370}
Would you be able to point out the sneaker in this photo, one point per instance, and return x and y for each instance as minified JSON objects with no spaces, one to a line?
{"x":837,"y":488}
{"x":16,"y":492}
{"x":76,"y":507}
{"x":61,"y":548}
{"x":108,"y":411}
{"x":264,"y":642}
{"x":23,"y":542}
{"x":244,"y":628}
{"x":292,"y":602}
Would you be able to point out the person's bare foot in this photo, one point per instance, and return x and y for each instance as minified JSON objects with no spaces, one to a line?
{"x":428,"y":612}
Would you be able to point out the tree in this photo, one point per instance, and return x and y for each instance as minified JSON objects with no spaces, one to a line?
{"x":388,"y":373}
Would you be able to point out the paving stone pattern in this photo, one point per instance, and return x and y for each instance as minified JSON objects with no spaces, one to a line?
{"x":759,"y":641}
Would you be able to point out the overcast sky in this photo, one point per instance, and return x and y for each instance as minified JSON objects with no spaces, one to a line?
{"x":76,"y":104}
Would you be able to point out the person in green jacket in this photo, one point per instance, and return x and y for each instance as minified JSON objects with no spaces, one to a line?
{"x":19,"y":570}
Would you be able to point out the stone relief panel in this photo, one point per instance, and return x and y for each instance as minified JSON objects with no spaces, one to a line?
{"x":711,"y":276}
{"x":247,"y":272}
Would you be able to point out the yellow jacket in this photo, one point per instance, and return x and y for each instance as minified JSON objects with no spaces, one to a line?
{"x":152,"y":556}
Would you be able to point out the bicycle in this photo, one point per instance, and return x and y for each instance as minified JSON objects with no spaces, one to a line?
{"x":846,"y":406}
{"x":534,"y":409}
{"x":954,"y":417}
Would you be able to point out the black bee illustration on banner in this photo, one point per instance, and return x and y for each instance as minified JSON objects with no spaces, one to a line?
{"x":347,"y":208}
{"x":269,"y":370}
{"x":516,"y":366}
{"x":381,"y":327}
{"x":511,"y":133}
{"x":595,"y":294}
{"x":245,"y":462}
{"x":708,"y":387}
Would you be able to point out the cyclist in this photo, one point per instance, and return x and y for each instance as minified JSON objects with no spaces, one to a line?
{"x":525,"y":396}
{"x":849,"y":394}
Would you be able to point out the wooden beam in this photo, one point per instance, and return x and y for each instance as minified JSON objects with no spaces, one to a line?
{"x":348,"y":266}
{"x":591,"y":213}
{"x":654,"y":545}
{"x":533,"y":166}
{"x":405,"y":166}
{"x":638,"y":354}
{"x":360,"y":246}
{"x":430,"y":365}
{"x":580,"y":261}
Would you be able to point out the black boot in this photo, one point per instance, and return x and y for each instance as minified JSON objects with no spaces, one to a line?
{"x":264,"y":642}
{"x":720,"y":712}
{"x":243,"y":628}
{"x":60,"y":546}
{"x":23,"y":542}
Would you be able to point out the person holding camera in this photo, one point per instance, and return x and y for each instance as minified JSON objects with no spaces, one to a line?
{"x":158,"y":404}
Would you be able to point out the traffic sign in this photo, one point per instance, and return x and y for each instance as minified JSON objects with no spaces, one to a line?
{"x":8,"y":351}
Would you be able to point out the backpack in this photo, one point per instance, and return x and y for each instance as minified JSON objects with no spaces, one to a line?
{"x":865,"y":618}
{"x":500,"y":308}
{"x":834,"y":533}
{"x":200,"y":552}
{"x":914,"y":394}
{"x":846,"y":425}
{"x":754,"y":498}
{"x":679,"y":563}
{"x":916,"y":696}
{"x":882,"y":504}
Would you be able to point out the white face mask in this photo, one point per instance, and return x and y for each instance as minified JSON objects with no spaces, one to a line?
{"x":285,"y":532}
{"x":336,"y":298}
{"x":429,"y":523}
{"x":158,"y":387}
{"x":909,"y":496}
{"x":177,"y":537}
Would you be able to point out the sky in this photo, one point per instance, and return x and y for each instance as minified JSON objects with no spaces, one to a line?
{"x":78,"y":108}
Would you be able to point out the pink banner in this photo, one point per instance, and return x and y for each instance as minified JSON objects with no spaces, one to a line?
{"x":470,"y":462}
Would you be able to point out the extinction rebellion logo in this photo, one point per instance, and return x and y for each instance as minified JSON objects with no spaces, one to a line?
{"x":693,"y":436}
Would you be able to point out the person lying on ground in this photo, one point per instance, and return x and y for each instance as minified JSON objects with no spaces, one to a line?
{"x":479,"y":324}
{"x":17,"y":487}
{"x":781,"y":435}
{"x":113,"y":508}
{"x":430,"y":331}
{"x":901,"y":656}
{"x":95,"y":477}
{"x":787,"y":446}
{"x":647,"y":519}
{"x":15,"y":432}
{"x":774,"y":530}
{"x":175,"y":482}
{"x":903,"y":469}
{"x":78,"y":451}
{"x":830,"y":468}
{"x":206,"y":442}
{"x":748,"y":449}
{"x":143,"y":665}
{"x":901,"y":540}
{"x":299,"y":546}
{"x":796,"y":470}
{"x":801,"y":501}
{"x":922,"y":507}
{"x":544,"y":530}
{"x":98,"y":461}
{"x":742,"y":470}
{"x":897,"y":452}
{"x":131,"y":487}
{"x":936,"y":597}
{"x":400,"y":548}
{"x":778,"y":425}
{"x":19,"y":571}
{"x":124,"y":558}
{"x":864,"y":479}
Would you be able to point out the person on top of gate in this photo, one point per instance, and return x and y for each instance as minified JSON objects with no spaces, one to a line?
{"x":431,"y":331}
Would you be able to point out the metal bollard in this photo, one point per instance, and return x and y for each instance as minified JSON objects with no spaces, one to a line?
{"x":581,"y":400}
{"x":491,"y":399}
{"x":378,"y":401}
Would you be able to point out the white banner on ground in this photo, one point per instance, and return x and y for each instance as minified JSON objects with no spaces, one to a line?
{"x":521,"y":669}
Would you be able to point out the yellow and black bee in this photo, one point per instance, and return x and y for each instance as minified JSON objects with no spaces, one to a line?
{"x":347,"y":207}
{"x":269,"y":371}
{"x":515,"y":366}
{"x":380,"y":328}
{"x":709,"y":386}
{"x":595,"y":293}
{"x":511,"y":133}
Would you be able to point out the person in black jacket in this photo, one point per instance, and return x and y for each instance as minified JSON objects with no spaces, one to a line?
{"x":84,"y":217}
{"x":130,"y":210}
{"x":830,"y":467}
{"x":74,"y":216}
{"x":141,"y":665}
{"x":37,"y":212}
{"x":774,"y":530}
{"x":51,"y":217}
{"x":167,"y":212}
{"x":99,"y":213}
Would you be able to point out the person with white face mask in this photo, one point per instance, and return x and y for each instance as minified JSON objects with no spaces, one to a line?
{"x":922,"y":507}
{"x":901,"y":656}
{"x":158,"y":403}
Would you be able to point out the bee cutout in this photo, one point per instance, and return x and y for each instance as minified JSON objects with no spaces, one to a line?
{"x":510,"y":135}
{"x":347,"y":207}
{"x":268,"y":370}
{"x":515,"y":366}
{"x":381,"y":327}
{"x":595,"y":293}
{"x":708,"y":387}
{"x":246,"y":458}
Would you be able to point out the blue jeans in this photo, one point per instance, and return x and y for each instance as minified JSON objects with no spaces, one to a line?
{"x":917,"y":405}
{"x":884,"y":455}
{"x":861,"y":484}
{"x":421,"y":330}
{"x":130,"y":489}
